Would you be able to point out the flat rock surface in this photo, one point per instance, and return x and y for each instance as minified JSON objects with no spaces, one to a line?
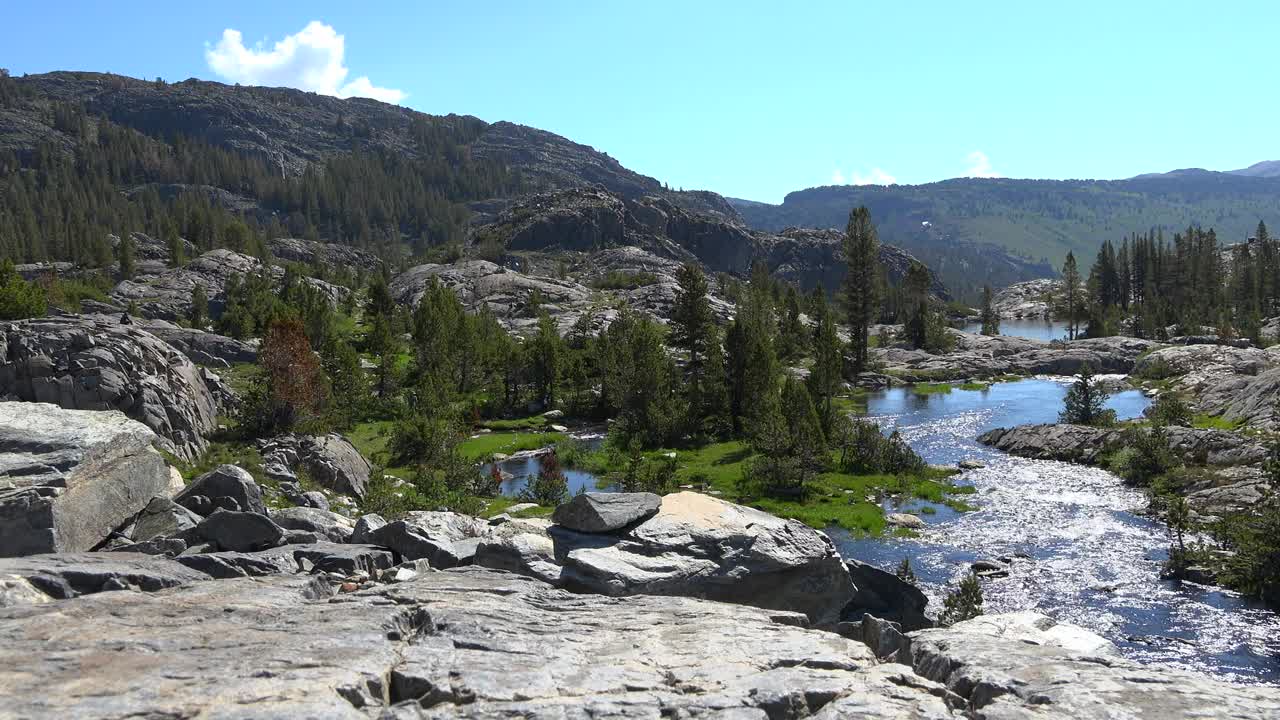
{"x":1008,"y":665}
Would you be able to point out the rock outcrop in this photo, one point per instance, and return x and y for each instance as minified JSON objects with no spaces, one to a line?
{"x":330,"y":460}
{"x":983,"y":357}
{"x":93,"y":362}
{"x":204,"y":348}
{"x":696,"y":545}
{"x":478,"y":643}
{"x":1081,"y":443}
{"x":68,"y":478}
{"x":321,"y":254}
{"x":1027,"y":665}
{"x":167,"y":296}
{"x":1031,"y":299}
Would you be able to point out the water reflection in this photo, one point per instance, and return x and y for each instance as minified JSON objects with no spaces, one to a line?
{"x":1079,"y":549}
{"x":1027,"y":328}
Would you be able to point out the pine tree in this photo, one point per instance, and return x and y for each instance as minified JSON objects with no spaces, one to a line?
{"x":1072,"y":295}
{"x":827,"y":371}
{"x":905,"y":573}
{"x":964,"y":603}
{"x":125,"y":251}
{"x":693,"y":331}
{"x":861,"y":285}
{"x":990,"y":318}
{"x":1085,"y":401}
{"x":199,"y":316}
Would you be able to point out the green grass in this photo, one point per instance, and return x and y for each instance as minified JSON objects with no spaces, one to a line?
{"x":1214,"y":422}
{"x":838,"y":499}
{"x":943,"y":388}
{"x":240,"y":376}
{"x":533,"y":422}
{"x":482,"y":447}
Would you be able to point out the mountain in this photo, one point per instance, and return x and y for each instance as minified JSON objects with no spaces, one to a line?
{"x":1033,"y":219}
{"x":1266,"y":168}
{"x":86,"y":157}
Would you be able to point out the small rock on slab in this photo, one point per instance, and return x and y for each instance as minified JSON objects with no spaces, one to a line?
{"x":606,"y":512}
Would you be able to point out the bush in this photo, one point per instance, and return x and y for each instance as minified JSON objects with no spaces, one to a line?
{"x":1170,"y":409}
{"x":549,"y":487}
{"x":19,"y":299}
{"x":654,"y":475}
{"x":963,"y":603}
{"x":864,"y":450}
{"x":1145,"y":456}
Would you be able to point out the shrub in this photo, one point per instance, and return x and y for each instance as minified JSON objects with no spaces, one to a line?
{"x":1170,"y":409}
{"x":963,"y":603}
{"x":1145,"y":457}
{"x":549,"y":487}
{"x":19,"y":299}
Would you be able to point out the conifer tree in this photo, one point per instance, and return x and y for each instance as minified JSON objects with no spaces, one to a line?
{"x":199,"y":306}
{"x":964,"y":603}
{"x":1072,"y":295}
{"x":1084,"y":404}
{"x":861,"y":284}
{"x":990,"y":318}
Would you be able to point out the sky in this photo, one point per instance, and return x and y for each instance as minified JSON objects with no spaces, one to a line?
{"x":749,"y":99}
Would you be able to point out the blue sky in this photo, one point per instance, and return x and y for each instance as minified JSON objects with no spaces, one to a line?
{"x":750,"y":99}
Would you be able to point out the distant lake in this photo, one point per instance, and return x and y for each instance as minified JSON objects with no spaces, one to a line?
{"x":1027,"y":328}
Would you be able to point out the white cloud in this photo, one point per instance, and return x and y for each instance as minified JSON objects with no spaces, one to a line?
{"x":308,"y":60}
{"x":875,"y":177}
{"x":980,"y":166}
{"x":837,"y":178}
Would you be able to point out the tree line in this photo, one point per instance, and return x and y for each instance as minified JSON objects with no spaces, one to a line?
{"x":1150,"y":283}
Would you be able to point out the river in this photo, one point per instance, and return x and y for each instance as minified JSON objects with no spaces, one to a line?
{"x":1082,"y":551}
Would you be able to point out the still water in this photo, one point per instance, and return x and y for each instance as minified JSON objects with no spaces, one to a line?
{"x":1082,"y":551}
{"x":1027,"y":328}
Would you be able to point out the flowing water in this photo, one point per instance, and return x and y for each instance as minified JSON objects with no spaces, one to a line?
{"x":1081,"y":550}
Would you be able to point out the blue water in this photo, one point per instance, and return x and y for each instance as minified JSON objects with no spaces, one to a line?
{"x":1090,"y":558}
{"x":1033,"y":329}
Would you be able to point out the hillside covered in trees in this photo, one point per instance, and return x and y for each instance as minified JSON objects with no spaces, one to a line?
{"x":974,"y":221}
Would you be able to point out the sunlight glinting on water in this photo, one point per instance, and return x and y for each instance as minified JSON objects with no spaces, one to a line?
{"x":1079,"y":548}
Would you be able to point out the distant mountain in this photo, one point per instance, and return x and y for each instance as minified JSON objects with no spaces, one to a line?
{"x":1266,"y":168}
{"x":1033,"y":219}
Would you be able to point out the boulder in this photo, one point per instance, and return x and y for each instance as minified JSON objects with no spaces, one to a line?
{"x":606,"y":512}
{"x":696,"y":545}
{"x":226,"y":487}
{"x":331,"y":525}
{"x":68,"y":478}
{"x":444,"y":539}
{"x":239,"y":531}
{"x":885,"y":595}
{"x":164,"y":518}
{"x":343,"y":559}
{"x":233,"y":564}
{"x":884,"y":637}
{"x":330,"y":460}
{"x":365,"y":525}
{"x":92,"y":362}
{"x":167,"y":546}
{"x":906,"y":520}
